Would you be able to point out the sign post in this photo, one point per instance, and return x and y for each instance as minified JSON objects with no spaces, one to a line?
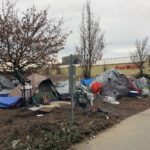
{"x":72,"y":84}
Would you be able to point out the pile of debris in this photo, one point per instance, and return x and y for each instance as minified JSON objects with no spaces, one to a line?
{"x":110,"y":86}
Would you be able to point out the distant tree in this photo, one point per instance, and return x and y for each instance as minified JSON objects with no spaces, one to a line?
{"x":140,"y":54}
{"x":91,"y":41}
{"x":104,"y":66}
{"x":28,"y":39}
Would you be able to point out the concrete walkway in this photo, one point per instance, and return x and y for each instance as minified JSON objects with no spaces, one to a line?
{"x":131,"y":134}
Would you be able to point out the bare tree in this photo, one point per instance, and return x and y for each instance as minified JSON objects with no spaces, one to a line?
{"x":28,"y":39}
{"x":91,"y":41}
{"x":140,"y":54}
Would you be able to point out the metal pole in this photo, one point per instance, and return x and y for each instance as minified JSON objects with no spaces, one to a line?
{"x":72,"y":85}
{"x":72,"y":109}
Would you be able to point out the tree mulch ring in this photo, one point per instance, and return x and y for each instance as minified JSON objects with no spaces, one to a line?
{"x":25,"y":130}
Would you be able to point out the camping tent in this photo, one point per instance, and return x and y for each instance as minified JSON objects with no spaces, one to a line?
{"x":40,"y":84}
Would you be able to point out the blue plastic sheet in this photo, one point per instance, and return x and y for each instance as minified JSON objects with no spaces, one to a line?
{"x":7,"y":102}
{"x":87,"y":82}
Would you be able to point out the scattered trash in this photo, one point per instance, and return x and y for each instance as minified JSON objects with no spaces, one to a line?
{"x":133,"y":94}
{"x":48,"y":108}
{"x":45,"y":109}
{"x":145,"y":91}
{"x":139,"y":97}
{"x":39,"y":115}
{"x":111,"y":100}
{"x":27,"y":137}
{"x":14,"y":143}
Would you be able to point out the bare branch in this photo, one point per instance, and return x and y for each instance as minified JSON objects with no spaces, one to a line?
{"x":91,"y":40}
{"x":140,"y":54}
{"x":29,"y":38}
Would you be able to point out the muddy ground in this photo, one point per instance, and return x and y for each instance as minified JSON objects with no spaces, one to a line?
{"x":22,"y":129}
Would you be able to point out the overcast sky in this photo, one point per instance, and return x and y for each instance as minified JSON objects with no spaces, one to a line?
{"x":123,"y":21}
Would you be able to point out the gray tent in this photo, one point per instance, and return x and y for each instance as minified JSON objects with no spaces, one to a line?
{"x":5,"y":83}
{"x":114,"y":83}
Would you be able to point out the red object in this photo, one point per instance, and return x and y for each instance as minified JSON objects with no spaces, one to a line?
{"x":129,"y":66}
{"x":133,"y":85}
{"x":96,"y":87}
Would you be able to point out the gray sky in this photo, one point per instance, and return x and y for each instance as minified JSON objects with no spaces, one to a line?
{"x":123,"y":21}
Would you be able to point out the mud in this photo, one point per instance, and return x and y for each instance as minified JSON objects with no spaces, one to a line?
{"x":55,"y":130}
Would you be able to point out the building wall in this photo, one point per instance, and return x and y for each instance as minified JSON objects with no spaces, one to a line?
{"x":125,"y":68}
{"x":147,"y":66}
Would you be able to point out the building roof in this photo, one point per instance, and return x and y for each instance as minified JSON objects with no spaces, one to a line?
{"x":109,"y":61}
{"x":120,"y":60}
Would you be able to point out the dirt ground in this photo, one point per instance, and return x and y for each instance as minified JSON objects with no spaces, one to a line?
{"x":23,"y":129}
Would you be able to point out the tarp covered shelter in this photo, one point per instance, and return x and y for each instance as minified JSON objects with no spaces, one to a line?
{"x":39,"y":83}
{"x":114,"y":89}
{"x":139,"y":84}
{"x":5,"y":83}
{"x":87,"y":82}
{"x":8,"y":102}
{"x":114,"y":83}
{"x":109,"y":74}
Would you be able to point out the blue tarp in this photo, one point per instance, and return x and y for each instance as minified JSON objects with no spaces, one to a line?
{"x":87,"y":82}
{"x":3,"y":95}
{"x":7,"y":102}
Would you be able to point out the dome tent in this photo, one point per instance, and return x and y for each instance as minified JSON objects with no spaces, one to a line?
{"x":40,"y":85}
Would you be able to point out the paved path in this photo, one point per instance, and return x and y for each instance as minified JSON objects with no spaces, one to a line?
{"x":131,"y":134}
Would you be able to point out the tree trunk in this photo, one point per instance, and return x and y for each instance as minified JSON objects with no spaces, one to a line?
{"x":87,"y":74}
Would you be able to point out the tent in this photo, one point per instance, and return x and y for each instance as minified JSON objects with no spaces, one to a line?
{"x":109,"y":74}
{"x":5,"y":83}
{"x":114,"y":89}
{"x":41,"y":85}
{"x":114,"y":83}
